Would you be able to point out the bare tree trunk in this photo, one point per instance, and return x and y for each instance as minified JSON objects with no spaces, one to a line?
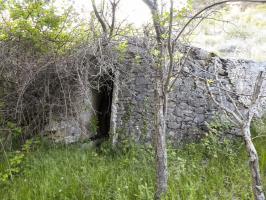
{"x":253,"y":164}
{"x":160,"y":143}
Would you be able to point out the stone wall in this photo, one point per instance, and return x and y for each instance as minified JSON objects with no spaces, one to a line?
{"x":190,"y":106}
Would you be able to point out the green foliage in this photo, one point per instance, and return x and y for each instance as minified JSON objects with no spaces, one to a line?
{"x":122,"y":48}
{"x":178,"y":56}
{"x":218,"y":126}
{"x":259,"y":127}
{"x":70,"y":172}
{"x":216,"y":143}
{"x":178,"y":15}
{"x":14,"y":128}
{"x":14,"y":162}
{"x":37,"y":25}
{"x":258,"y":130}
{"x":127,"y":31}
{"x":155,"y":52}
{"x":10,"y":132}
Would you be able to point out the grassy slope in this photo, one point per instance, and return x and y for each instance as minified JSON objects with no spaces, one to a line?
{"x":198,"y":171}
{"x":242,"y":31}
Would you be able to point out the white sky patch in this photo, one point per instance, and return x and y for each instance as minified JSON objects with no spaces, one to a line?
{"x":133,"y":11}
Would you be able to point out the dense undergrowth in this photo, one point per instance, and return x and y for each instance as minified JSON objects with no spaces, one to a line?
{"x":212,"y":169}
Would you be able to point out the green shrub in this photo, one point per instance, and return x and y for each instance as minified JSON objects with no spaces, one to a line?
{"x":216,"y":168}
{"x":13,"y":162}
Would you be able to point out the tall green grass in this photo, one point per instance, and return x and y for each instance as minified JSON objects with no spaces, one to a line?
{"x":209,"y":170}
{"x":212,"y":169}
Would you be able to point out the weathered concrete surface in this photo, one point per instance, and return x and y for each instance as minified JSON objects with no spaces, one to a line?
{"x":75,"y":128}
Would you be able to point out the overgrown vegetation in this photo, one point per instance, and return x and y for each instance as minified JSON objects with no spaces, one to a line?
{"x":38,"y":26}
{"x":41,"y":71}
{"x":216,"y":168}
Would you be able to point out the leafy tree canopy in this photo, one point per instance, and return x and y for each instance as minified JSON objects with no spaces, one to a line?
{"x":37,"y":25}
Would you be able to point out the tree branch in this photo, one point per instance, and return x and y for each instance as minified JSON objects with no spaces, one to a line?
{"x":209,"y":7}
{"x":114,"y":4}
{"x":169,"y":47}
{"x":100,"y":19}
{"x":149,"y":3}
{"x":155,"y":17}
{"x":227,"y":110}
{"x":257,"y":88}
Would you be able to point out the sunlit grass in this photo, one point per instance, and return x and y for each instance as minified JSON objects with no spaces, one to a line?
{"x":209,"y":170}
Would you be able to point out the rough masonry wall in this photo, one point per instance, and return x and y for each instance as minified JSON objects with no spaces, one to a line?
{"x":135,"y":103}
{"x":132,"y":115}
{"x":190,"y":106}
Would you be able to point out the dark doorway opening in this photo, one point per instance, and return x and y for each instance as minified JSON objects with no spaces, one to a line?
{"x":104,"y":108}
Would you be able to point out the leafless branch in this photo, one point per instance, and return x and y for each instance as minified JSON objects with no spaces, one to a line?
{"x":114,"y":5}
{"x":100,"y":19}
{"x":170,"y":48}
{"x":209,"y":7}
{"x":257,"y":87}
{"x":220,"y":105}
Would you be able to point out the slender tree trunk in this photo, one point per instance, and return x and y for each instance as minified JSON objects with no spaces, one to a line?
{"x":160,"y":143}
{"x":253,"y":164}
